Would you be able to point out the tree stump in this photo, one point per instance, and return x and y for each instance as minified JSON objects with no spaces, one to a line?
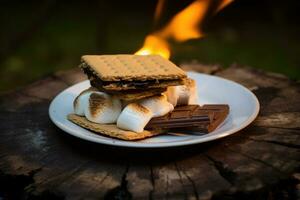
{"x":39,"y":161}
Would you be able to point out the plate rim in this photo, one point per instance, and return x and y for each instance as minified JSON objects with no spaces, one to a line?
{"x":134,"y":144}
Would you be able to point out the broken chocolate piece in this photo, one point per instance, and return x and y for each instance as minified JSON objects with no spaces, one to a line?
{"x":220,"y":113}
{"x":204,"y":118}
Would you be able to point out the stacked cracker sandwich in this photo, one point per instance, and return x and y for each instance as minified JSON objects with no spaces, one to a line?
{"x":127,"y":91}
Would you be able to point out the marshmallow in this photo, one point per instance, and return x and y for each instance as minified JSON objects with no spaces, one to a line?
{"x":134,"y":117}
{"x":193,"y":92}
{"x":158,"y":105}
{"x":182,"y":94}
{"x":125,"y":102}
{"x":81,"y":101}
{"x":102,"y":108}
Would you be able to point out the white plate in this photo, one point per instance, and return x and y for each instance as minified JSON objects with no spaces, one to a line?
{"x":244,"y":108}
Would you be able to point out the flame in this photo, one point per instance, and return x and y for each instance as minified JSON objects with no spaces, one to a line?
{"x":154,"y":44}
{"x":223,"y":4}
{"x":183,"y":26}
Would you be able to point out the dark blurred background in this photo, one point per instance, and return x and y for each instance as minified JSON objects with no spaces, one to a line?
{"x":40,"y":37}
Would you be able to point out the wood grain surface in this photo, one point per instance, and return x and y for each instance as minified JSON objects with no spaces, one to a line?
{"x":39,"y":161}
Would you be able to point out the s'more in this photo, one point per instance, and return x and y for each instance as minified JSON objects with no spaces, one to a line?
{"x":133,"y":97}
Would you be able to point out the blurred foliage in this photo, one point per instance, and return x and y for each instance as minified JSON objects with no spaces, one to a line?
{"x":40,"y":38}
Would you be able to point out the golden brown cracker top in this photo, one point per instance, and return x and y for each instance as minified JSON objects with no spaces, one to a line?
{"x":132,"y":67}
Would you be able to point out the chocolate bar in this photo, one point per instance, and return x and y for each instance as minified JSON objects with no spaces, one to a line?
{"x":220,"y":113}
{"x":204,"y":118}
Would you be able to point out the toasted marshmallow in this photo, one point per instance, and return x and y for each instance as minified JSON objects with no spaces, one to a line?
{"x":193,"y":92}
{"x":81,"y":101}
{"x":171,"y":95}
{"x":159,"y":105}
{"x":134,"y":117}
{"x":182,"y":94}
{"x":102,"y":108}
{"x":125,"y":103}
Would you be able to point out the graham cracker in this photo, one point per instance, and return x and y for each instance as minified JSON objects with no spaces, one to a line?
{"x":132,"y":67}
{"x":137,"y":94}
{"x":111,"y":130}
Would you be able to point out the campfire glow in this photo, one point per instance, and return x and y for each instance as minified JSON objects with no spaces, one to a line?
{"x":183,"y":26}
